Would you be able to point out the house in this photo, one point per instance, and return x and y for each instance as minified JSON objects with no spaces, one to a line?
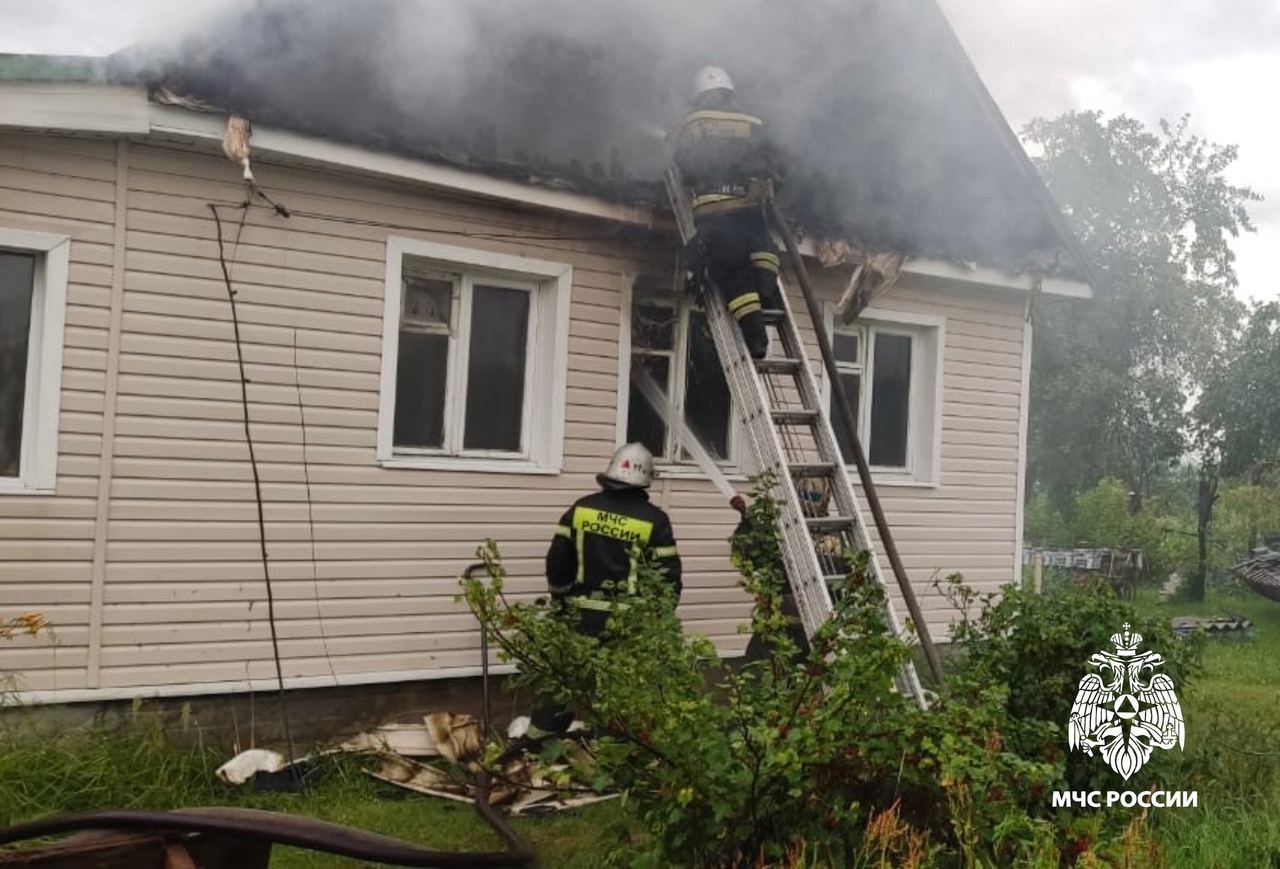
{"x":437,"y":338}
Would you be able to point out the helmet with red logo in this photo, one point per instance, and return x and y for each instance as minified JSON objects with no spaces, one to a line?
{"x":711,"y":78}
{"x":631,"y":465}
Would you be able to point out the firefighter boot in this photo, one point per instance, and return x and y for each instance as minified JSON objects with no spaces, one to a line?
{"x":757,"y":338}
{"x":745,"y":308}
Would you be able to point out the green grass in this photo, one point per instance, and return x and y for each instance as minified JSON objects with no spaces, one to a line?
{"x":135,"y":768}
{"x":1232,"y":716}
{"x":1232,"y":758}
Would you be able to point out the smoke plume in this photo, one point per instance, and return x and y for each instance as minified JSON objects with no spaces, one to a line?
{"x":870,"y":100}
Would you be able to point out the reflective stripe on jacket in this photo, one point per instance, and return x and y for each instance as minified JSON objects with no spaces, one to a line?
{"x":603,"y":537}
{"x":719,"y":152}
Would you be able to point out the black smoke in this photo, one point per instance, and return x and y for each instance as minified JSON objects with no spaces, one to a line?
{"x":871,"y":100}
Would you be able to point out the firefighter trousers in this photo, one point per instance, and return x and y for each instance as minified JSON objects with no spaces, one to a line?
{"x":739,"y":257}
{"x":551,"y":718}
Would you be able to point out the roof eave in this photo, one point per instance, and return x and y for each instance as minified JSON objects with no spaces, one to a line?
{"x":127,"y":111}
{"x":121,"y":110}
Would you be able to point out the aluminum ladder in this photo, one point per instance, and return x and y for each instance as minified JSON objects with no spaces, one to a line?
{"x":779,"y":407}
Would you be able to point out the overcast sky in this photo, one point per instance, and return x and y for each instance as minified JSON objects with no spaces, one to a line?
{"x":1148,"y":58}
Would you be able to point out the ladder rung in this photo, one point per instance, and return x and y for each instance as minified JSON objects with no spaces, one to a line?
{"x":811,"y":470}
{"x":773,"y":316}
{"x":828,"y":523}
{"x":778,"y":366}
{"x":794,"y":417}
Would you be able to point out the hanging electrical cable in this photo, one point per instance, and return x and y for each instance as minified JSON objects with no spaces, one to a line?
{"x":311,"y":519}
{"x":257,"y":480}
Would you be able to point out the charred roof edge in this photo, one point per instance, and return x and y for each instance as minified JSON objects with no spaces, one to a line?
{"x":92,"y":108}
{"x":107,"y":109}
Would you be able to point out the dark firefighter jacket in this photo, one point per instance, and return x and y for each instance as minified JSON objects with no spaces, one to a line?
{"x":719,"y":152}
{"x":601,"y":539}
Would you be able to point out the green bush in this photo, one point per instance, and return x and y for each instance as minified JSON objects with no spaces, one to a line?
{"x":1037,"y":646}
{"x":803,"y":758}
{"x":1044,"y":524}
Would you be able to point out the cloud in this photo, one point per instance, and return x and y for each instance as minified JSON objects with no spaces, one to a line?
{"x":98,"y":27}
{"x":1030,"y":51}
{"x":1150,"y":59}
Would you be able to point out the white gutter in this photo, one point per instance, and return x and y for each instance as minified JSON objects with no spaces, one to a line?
{"x":170,"y":121}
{"x":78,"y":108}
{"x":993,"y":277}
{"x":104,"y":109}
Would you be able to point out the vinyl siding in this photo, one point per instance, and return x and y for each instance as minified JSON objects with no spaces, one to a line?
{"x":364,"y":560}
{"x":968,"y":523}
{"x":68,"y":187}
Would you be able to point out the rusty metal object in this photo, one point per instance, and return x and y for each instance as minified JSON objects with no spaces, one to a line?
{"x":231,"y":838}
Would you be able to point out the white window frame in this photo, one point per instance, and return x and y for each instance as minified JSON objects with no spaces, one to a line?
{"x":924,"y":419}
{"x":42,"y":401}
{"x":738,"y":466}
{"x":546,"y":356}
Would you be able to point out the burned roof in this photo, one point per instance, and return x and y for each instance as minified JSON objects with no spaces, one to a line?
{"x":891,"y":140}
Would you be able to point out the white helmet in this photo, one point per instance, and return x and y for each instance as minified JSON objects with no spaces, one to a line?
{"x":631,"y":465}
{"x":711,"y":78}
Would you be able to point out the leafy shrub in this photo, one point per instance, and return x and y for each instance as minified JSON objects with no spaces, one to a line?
{"x":1037,"y":646}
{"x":804,"y":758}
{"x":1044,"y":524}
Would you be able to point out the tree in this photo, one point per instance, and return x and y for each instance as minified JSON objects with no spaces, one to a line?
{"x":1111,"y":376}
{"x":1238,"y":414}
{"x":1239,"y":410}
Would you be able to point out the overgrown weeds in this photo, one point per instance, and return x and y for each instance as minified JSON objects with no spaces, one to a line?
{"x":129,"y":766}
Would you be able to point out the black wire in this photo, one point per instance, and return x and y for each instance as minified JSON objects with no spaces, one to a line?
{"x":257,"y":481}
{"x":311,"y":520}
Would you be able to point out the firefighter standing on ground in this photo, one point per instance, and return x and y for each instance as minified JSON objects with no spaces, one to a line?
{"x":727,"y":160}
{"x":599,"y":544}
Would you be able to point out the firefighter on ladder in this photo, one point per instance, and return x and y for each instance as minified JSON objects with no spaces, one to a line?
{"x":598,"y":546}
{"x":730,"y":165}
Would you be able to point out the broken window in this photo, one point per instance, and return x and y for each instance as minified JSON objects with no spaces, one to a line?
{"x":670,"y":340}
{"x":463,"y":362}
{"x":17,"y":291}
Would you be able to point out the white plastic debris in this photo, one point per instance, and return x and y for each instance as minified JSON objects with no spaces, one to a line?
{"x":518,"y":727}
{"x":247,"y":764}
{"x":409,"y":740}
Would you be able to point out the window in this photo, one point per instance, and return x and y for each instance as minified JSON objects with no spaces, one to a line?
{"x":475,"y":347}
{"x":670,"y":340}
{"x":33,"y":293}
{"x":890,"y":371}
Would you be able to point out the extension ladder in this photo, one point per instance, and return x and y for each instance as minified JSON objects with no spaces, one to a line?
{"x":779,"y":406}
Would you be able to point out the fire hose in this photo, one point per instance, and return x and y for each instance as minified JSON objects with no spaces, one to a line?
{"x":276,"y":828}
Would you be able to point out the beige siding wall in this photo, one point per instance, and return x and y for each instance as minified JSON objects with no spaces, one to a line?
{"x":67,"y":187}
{"x":364,"y":559}
{"x":968,"y":523}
